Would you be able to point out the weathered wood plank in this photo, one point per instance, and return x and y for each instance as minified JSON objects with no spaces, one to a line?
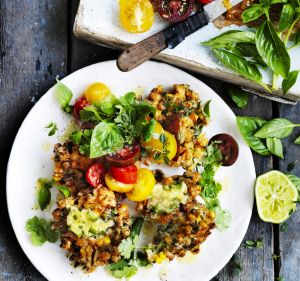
{"x":290,"y":239}
{"x":257,"y":264}
{"x":33,"y":50}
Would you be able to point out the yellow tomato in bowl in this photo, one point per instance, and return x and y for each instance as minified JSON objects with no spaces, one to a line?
{"x":97,"y":92}
{"x":136,"y":15}
{"x":117,"y":186}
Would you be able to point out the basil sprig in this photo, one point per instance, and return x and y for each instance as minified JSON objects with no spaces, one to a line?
{"x":245,"y":55}
{"x":239,"y":97}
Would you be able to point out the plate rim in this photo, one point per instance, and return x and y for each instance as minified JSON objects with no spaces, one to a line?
{"x":108,"y":62}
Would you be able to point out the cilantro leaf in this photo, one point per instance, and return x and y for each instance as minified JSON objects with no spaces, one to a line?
{"x":126,"y":247}
{"x":223,"y":218}
{"x":125,"y":272}
{"x":40,"y":231}
{"x":128,"y":99}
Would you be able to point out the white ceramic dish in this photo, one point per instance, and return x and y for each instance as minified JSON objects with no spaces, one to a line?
{"x":31,"y":158}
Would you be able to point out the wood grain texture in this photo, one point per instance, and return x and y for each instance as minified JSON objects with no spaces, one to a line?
{"x":257,"y":264}
{"x":33,"y":51}
{"x":290,"y":239}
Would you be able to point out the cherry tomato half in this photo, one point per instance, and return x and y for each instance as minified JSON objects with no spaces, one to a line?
{"x":117,"y":186}
{"x":136,"y":15}
{"x":175,"y":10}
{"x":126,"y":156}
{"x":80,"y":104}
{"x":126,"y":175}
{"x":228,"y":148}
{"x":94,"y":174}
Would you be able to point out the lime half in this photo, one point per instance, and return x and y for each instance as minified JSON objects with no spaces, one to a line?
{"x":275,"y":197}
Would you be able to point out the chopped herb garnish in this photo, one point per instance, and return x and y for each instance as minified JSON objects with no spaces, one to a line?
{"x":250,"y":244}
{"x":52,"y":126}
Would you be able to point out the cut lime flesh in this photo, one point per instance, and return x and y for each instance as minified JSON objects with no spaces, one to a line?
{"x":275,"y":197}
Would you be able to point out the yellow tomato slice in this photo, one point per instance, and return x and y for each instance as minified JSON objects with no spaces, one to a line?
{"x":143,"y":187}
{"x":117,"y":186}
{"x":136,"y":15}
{"x":171,"y":146}
{"x":97,"y":92}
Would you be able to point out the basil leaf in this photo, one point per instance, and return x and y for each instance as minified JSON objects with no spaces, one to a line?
{"x":252,"y":13}
{"x":64,"y":190}
{"x":136,"y":227}
{"x":239,"y":65}
{"x":248,"y":50}
{"x":272,"y":49}
{"x":90,"y":113}
{"x":276,"y":128}
{"x":296,"y":182}
{"x":106,"y":139}
{"x":229,"y":38}
{"x":286,"y":17}
{"x":297,"y":140}
{"x":275,"y":147}
{"x":206,"y":109}
{"x":107,"y":104}
{"x":248,"y":126}
{"x":290,"y":81}
{"x":239,"y":96}
{"x":64,"y":96}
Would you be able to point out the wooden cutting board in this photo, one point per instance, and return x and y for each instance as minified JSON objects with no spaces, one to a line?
{"x":99,"y":23}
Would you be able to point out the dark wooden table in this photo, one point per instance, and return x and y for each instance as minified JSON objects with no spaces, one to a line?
{"x":36,"y":44}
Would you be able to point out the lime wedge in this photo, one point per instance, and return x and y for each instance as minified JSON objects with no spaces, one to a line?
{"x":275,"y":197}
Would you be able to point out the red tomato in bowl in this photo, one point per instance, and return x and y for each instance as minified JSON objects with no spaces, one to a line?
{"x":127,"y":175}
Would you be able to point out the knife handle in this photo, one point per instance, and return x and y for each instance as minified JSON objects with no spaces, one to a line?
{"x":141,"y":52}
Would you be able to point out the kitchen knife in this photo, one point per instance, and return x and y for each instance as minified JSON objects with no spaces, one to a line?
{"x":172,"y":36}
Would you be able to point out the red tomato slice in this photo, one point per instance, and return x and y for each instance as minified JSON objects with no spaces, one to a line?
{"x":126,"y":175}
{"x":79,"y":105}
{"x":205,"y":1}
{"x":94,"y":174}
{"x":126,"y":156}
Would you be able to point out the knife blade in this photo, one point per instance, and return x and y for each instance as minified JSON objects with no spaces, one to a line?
{"x":172,"y":36}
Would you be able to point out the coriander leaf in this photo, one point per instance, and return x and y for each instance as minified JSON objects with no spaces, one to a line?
{"x":75,"y":137}
{"x":276,"y":128}
{"x":64,"y":96}
{"x":297,"y":140}
{"x":44,"y":194}
{"x":128,"y":99}
{"x":272,"y":49}
{"x":248,"y":127}
{"x":126,"y":247}
{"x":286,"y":17}
{"x":90,"y":113}
{"x":223,"y":218}
{"x":52,"y":126}
{"x":107,"y":104}
{"x":275,"y":147}
{"x":252,"y":13}
{"x":229,"y":38}
{"x":40,"y":231}
{"x":142,"y":110}
{"x":240,"y":65}
{"x":148,"y":129}
{"x":125,"y":272}
{"x":106,"y":139}
{"x":64,"y":190}
{"x":117,"y":265}
{"x":239,"y":96}
{"x":290,"y":81}
{"x":206,"y":109}
{"x":213,"y":154}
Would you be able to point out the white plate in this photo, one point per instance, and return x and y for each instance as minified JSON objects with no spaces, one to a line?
{"x":31,"y":154}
